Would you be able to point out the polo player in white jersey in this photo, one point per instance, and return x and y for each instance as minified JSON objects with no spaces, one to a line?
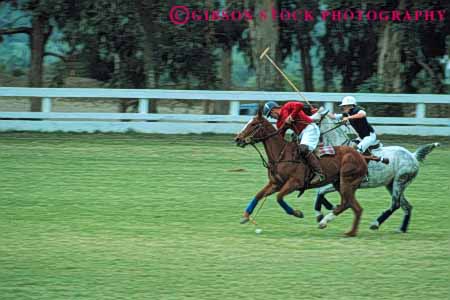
{"x":358,"y":119}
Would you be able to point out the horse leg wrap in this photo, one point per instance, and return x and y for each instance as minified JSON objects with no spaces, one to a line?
{"x":384,"y":216}
{"x":405,"y":222}
{"x":329,"y":217}
{"x":286,"y":207}
{"x":319,"y":202}
{"x":251,"y":206}
{"x":327,"y":203}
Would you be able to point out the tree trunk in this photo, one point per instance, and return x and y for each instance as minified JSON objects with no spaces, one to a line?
{"x":263,"y":34}
{"x":227,"y":67}
{"x":146,"y":14}
{"x":348,"y":84}
{"x":222,"y":107}
{"x":308,"y":78}
{"x":389,"y":63}
{"x":389,"y":60}
{"x":38,"y":39}
{"x":209,"y":107}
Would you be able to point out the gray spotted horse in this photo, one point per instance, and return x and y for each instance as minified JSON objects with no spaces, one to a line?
{"x":396,"y":176}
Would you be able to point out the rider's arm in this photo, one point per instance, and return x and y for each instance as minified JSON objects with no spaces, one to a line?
{"x":293,"y":108}
{"x":361,"y":114}
{"x":335,"y":116}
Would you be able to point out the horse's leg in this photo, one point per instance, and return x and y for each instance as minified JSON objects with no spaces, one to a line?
{"x":351,"y":175}
{"x":388,"y":212}
{"x":333,"y":214}
{"x":357,"y":210}
{"x":290,"y":186}
{"x":321,"y":200}
{"x":347,"y":200}
{"x":405,"y":205}
{"x":268,"y":190}
{"x":397,"y":188}
{"x":407,"y":209}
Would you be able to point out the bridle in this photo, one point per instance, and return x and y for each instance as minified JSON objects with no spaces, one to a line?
{"x":250,"y":139}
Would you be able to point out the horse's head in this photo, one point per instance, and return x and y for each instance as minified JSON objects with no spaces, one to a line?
{"x":256,"y":130}
{"x":332,"y":133}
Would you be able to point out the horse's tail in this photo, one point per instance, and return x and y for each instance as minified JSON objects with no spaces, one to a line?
{"x":422,"y":152}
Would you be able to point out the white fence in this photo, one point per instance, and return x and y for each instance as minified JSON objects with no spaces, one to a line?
{"x":187,"y":123}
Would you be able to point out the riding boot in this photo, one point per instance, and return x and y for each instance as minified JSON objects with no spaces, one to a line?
{"x":314,"y":164}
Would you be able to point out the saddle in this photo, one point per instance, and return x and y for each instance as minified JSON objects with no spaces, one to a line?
{"x":323,"y":150}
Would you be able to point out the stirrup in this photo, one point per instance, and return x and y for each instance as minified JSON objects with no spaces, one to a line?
{"x":320,"y":177}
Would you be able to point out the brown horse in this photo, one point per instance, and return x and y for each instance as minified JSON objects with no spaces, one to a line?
{"x":288,"y":172}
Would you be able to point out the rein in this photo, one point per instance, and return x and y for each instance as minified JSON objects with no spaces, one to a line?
{"x":264,"y":162}
{"x":269,"y":164}
{"x":334,"y":128}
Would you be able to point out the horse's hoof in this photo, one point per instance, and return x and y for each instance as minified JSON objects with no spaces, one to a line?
{"x":244,"y":220}
{"x":298,"y":214}
{"x":375,"y":225}
{"x":319,"y":218}
{"x":350,"y":234}
{"x":322,"y":225}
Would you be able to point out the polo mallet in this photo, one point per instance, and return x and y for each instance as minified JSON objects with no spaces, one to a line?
{"x":253,"y":219}
{"x":265,"y":55}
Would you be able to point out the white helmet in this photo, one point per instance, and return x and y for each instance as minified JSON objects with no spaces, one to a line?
{"x":348,"y":100}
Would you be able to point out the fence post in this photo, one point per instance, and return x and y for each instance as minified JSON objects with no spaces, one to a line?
{"x":329,"y":106}
{"x":420,"y":110}
{"x":46,"y":105}
{"x":234,"y":108}
{"x":143,"y":106}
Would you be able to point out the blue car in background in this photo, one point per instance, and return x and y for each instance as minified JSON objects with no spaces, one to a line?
{"x":248,"y":109}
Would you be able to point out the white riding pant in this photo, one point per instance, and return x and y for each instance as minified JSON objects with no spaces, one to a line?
{"x":310,"y":136}
{"x":367,"y":141}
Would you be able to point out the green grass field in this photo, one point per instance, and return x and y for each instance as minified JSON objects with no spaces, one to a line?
{"x":157,"y":217}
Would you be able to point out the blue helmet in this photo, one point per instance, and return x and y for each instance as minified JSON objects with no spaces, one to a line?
{"x":268,"y":108}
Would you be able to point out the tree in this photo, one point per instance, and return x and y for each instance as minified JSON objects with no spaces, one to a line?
{"x":39,"y":11}
{"x":296,"y":36}
{"x":264,"y":32}
{"x":106,"y":35}
{"x":229,"y":35}
{"x":349,"y":48}
{"x":384,"y":56}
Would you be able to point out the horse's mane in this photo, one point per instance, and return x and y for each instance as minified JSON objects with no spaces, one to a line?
{"x":266,"y":122}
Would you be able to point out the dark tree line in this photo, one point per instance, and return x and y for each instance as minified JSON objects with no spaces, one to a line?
{"x":133,"y":44}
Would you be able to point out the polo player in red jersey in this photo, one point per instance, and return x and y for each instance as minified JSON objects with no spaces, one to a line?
{"x":291,"y":115}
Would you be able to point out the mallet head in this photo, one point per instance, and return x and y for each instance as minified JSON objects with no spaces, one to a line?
{"x":264,"y":53}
